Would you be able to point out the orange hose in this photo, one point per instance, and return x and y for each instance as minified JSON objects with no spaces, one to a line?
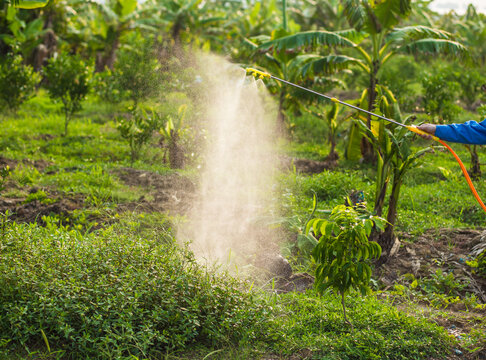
{"x":466,"y":175}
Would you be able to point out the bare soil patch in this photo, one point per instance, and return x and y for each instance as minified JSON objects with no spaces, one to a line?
{"x":40,"y":165}
{"x":445,"y":249}
{"x":306,"y":166}
{"x":34,"y":211}
{"x":171,"y":192}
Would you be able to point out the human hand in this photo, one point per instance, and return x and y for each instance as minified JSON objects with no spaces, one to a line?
{"x":428,"y":128}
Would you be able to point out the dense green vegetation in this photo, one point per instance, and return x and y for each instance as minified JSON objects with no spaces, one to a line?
{"x":102,"y":116}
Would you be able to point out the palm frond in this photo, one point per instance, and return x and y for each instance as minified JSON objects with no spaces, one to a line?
{"x":390,"y":12}
{"x":312,"y":65}
{"x":418,"y":32}
{"x":307,"y":38}
{"x":355,"y":13}
{"x":436,"y":46}
{"x":353,"y":35}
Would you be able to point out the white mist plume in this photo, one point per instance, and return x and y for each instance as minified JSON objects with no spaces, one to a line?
{"x":239,"y":164}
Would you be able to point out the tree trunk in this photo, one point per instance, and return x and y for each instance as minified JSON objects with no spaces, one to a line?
{"x":111,"y":56}
{"x":107,"y":60}
{"x":366,"y":148}
{"x":387,"y":238}
{"x":176,"y":37}
{"x":176,"y":154}
{"x":475,"y":169}
{"x":280,"y":115}
{"x":333,"y":155}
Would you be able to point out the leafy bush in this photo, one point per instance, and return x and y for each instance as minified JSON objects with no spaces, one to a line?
{"x":137,"y":73}
{"x":68,"y":80}
{"x":398,"y":75}
{"x":106,"y":87}
{"x":112,"y":294}
{"x":479,"y":264}
{"x":440,"y":94}
{"x":137,"y":129}
{"x":4,"y":174}
{"x":343,"y":252}
{"x":17,"y":82}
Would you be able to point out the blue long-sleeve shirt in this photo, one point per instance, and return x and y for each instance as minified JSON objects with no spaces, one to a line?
{"x":471,"y":132}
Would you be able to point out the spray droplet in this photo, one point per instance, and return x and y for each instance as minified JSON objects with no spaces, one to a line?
{"x":236,"y":179}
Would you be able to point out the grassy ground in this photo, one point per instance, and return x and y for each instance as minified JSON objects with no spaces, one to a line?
{"x":102,"y":277}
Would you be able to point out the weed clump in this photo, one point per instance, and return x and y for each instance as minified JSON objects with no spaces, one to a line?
{"x":112,"y":294}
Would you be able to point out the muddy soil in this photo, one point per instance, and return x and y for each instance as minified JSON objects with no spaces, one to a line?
{"x":306,"y":166}
{"x":34,"y":211}
{"x":40,"y":165}
{"x":171,"y":192}
{"x":444,"y":249}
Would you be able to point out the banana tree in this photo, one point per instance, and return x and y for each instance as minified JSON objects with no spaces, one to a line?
{"x":373,"y":41}
{"x":324,"y":14}
{"x":190,"y":21}
{"x":24,"y":36}
{"x":471,"y":27}
{"x":395,"y":157}
{"x":108,"y":21}
{"x":29,"y":4}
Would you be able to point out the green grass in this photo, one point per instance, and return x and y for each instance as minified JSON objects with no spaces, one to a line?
{"x":109,"y":284}
{"x":113,"y":293}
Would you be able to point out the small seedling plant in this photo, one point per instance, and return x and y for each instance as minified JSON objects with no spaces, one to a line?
{"x":343,"y":251}
{"x":172,"y":132}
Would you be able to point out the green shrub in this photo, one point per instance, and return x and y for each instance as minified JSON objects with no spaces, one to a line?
{"x":398,"y":75}
{"x":17,"y":82}
{"x":343,"y":252}
{"x":112,"y":294}
{"x":137,"y":73}
{"x":106,"y":87}
{"x":479,"y":264}
{"x":4,"y":174}
{"x":137,"y":129}
{"x":440,"y":94}
{"x":68,"y":80}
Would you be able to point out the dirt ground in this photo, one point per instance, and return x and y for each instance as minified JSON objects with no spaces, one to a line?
{"x":445,"y":249}
{"x":171,"y":192}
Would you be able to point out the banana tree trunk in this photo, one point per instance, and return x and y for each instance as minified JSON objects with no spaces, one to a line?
{"x":333,"y":155}
{"x":366,"y":148}
{"x":107,"y":60}
{"x":475,"y":169}
{"x":281,"y":115}
{"x":111,"y":56}
{"x":387,"y":238}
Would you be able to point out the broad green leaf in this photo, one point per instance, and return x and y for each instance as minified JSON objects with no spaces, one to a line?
{"x":353,"y":148}
{"x":31,"y":4}
{"x":313,"y":65}
{"x":436,"y":46}
{"x":390,"y":12}
{"x":308,"y":38}
{"x":416,"y":33}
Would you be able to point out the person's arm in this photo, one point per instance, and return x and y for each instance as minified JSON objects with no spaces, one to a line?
{"x":471,"y":132}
